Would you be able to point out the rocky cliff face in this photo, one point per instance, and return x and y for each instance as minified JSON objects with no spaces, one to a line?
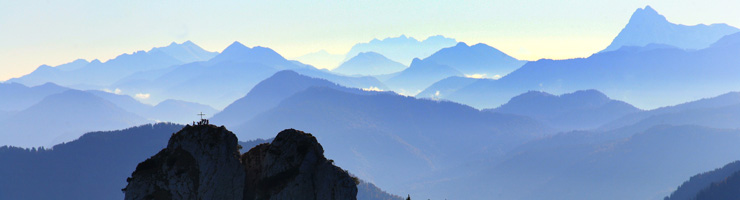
{"x":200,"y":162}
{"x":203,"y":162}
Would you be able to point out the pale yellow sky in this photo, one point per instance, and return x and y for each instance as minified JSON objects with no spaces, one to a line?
{"x":36,"y":32}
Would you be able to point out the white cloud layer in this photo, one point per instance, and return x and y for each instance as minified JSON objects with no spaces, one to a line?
{"x":142,"y":96}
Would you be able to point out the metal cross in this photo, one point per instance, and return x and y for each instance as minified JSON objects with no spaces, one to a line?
{"x":201,"y":115}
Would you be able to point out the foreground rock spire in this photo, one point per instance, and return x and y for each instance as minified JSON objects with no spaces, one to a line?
{"x":203,"y":162}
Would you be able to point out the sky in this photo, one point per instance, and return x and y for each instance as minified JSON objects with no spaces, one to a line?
{"x":36,"y":32}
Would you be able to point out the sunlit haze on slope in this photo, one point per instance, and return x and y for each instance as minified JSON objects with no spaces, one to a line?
{"x":34,"y":32}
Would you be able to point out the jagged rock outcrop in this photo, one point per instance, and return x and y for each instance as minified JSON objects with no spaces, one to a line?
{"x":203,"y":162}
{"x":293,"y":166}
{"x":200,"y":162}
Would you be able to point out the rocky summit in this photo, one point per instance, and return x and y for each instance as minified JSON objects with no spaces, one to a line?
{"x":203,"y":162}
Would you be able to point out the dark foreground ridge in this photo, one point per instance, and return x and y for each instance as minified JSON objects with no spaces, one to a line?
{"x":203,"y":162}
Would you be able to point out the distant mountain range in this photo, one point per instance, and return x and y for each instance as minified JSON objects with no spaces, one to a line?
{"x":646,"y":78}
{"x":369,"y":64}
{"x":461,"y":122}
{"x":17,"y":97}
{"x":421,"y":74}
{"x":543,"y":169}
{"x":402,"y":49}
{"x":180,"y":71}
{"x":186,"y":52}
{"x":97,"y":75}
{"x":580,"y":110}
{"x":717,"y":112}
{"x":642,"y":66}
{"x":444,"y":87}
{"x":48,"y":114}
{"x":480,"y":60}
{"x":63,"y":117}
{"x":360,"y":128}
{"x":668,"y":143}
{"x":170,"y":110}
{"x":266,"y":95}
{"x":238,"y":67}
{"x":659,"y":159}
{"x":646,"y":27}
{"x":477,"y":61}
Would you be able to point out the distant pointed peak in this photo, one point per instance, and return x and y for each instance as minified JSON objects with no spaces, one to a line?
{"x":591,"y":95}
{"x":80,"y":60}
{"x":532,"y":94}
{"x":235,"y":46}
{"x":646,"y":14}
{"x":535,"y":93}
{"x":402,"y":37}
{"x":649,"y":9}
{"x":95,"y":61}
{"x":266,"y":50}
{"x":589,"y":92}
{"x":49,"y":84}
{"x":173,"y":43}
{"x":481,"y":45}
{"x":188,"y":42}
{"x":287,"y":73}
{"x":416,"y":60}
{"x":44,"y":66}
{"x":436,"y":37}
{"x":367,"y":53}
{"x":461,"y":44}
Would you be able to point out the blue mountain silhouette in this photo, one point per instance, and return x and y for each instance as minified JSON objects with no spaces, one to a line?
{"x":186,"y":52}
{"x":421,"y":74}
{"x":402,"y":49}
{"x":580,"y":110}
{"x":646,"y":77}
{"x":17,"y":97}
{"x":226,"y":77}
{"x":446,"y":86}
{"x":363,"y":130}
{"x":717,"y":112}
{"x":266,"y":95}
{"x":479,"y":59}
{"x":646,"y":26}
{"x":63,"y":117}
{"x":369,"y":63}
{"x":658,"y":158}
{"x":98,"y":75}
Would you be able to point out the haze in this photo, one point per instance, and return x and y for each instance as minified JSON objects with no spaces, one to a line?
{"x":35,"y":32}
